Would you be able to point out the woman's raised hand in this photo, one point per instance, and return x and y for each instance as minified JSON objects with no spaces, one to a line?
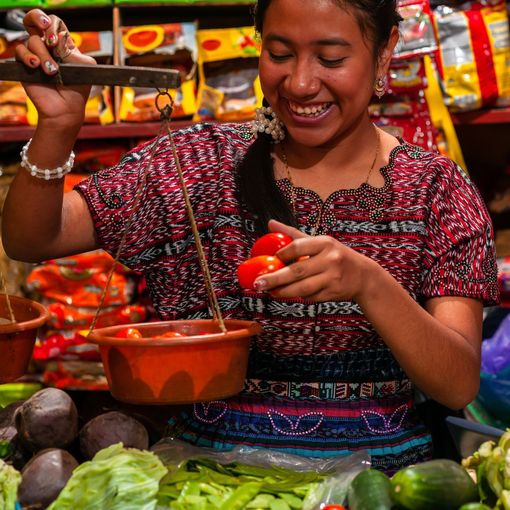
{"x":319,"y":268}
{"x":48,"y":44}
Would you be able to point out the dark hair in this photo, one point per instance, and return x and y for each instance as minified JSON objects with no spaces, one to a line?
{"x":257,"y":186}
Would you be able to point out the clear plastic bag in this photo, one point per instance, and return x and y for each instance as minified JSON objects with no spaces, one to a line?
{"x":333,"y":489}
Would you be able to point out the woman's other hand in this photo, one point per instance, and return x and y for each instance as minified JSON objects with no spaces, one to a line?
{"x":318,"y":268}
{"x":49,"y":43}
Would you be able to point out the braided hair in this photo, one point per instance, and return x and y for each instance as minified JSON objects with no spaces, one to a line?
{"x":256,"y":184}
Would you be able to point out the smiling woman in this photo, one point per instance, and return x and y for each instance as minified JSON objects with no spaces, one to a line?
{"x":388,"y":255}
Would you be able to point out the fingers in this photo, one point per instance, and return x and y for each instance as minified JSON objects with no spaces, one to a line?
{"x":49,"y":43}
{"x":35,"y":54}
{"x":36,"y":22}
{"x":277,"y":226}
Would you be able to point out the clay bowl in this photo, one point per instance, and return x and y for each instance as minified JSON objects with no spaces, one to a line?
{"x":17,"y":339}
{"x":205,"y":364}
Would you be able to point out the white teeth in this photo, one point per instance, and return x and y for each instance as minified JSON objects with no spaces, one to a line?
{"x":312,"y":111}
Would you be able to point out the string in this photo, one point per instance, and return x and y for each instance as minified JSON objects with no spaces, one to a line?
{"x":129,"y":223}
{"x":7,"y":300}
{"x":166,"y":112}
{"x":213,"y":300}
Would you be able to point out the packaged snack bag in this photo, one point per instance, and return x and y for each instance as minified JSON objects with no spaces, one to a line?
{"x":417,"y":29}
{"x":56,"y":4}
{"x":228,"y":74}
{"x":166,"y":46}
{"x":13,"y":104}
{"x":473,"y":55}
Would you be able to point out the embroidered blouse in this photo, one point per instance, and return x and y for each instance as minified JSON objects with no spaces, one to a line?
{"x":320,"y":381}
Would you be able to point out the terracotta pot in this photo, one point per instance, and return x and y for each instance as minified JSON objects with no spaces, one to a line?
{"x":203,"y":365}
{"x":17,"y":339}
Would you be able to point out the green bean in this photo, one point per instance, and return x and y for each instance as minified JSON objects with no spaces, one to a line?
{"x":279,"y":504}
{"x":261,"y":501}
{"x":292,"y":501}
{"x":241,"y":496}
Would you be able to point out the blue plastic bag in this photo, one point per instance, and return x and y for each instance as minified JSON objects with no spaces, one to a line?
{"x":494,"y":392}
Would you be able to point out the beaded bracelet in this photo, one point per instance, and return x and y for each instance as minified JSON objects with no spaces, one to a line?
{"x":54,"y":173}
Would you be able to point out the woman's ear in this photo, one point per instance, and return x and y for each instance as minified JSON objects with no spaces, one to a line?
{"x":387,"y":52}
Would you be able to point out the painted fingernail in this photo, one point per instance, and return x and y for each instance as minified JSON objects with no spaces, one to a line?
{"x":33,"y":61}
{"x":45,"y":21}
{"x":50,"y":66}
{"x":52,"y":39}
{"x":260,"y":285}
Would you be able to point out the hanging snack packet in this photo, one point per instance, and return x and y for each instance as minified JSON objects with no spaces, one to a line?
{"x":228,"y":74}
{"x":171,"y":46}
{"x":473,"y":55}
{"x":417,"y":29}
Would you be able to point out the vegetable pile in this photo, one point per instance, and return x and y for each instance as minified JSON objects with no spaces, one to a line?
{"x":203,"y":484}
{"x":492,"y":464}
{"x":52,"y":461}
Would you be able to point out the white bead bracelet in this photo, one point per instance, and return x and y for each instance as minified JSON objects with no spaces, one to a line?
{"x":54,"y":173}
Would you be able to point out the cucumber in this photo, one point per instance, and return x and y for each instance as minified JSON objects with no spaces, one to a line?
{"x":370,"y":490}
{"x":474,"y":506}
{"x":439,"y":484}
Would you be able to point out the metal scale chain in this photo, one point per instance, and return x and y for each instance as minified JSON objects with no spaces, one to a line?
{"x":165,"y":114}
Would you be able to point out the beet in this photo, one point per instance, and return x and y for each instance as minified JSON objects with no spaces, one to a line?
{"x":111,"y":428}
{"x":48,"y":419}
{"x":44,"y":476}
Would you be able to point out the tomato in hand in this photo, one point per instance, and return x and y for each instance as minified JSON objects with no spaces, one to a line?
{"x":251,"y":269}
{"x":270,"y":243}
{"x":128,"y":333}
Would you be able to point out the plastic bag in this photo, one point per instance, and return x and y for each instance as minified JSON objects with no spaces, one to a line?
{"x":333,"y":489}
{"x":494,"y":391}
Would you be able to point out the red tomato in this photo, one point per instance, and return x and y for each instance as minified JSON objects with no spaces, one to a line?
{"x":169,"y":334}
{"x":269,"y":244}
{"x":252,"y":268}
{"x":333,"y":507}
{"x":129,"y":333}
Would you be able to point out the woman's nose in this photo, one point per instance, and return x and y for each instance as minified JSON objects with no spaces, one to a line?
{"x":303,"y":81}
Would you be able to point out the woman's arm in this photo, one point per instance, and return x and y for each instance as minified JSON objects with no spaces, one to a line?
{"x":438,"y":347}
{"x":38,"y":221}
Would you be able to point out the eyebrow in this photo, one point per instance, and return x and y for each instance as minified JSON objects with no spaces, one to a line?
{"x":337,"y":41}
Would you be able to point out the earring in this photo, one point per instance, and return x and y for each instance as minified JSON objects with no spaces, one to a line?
{"x":380,"y":87}
{"x":267,"y":122}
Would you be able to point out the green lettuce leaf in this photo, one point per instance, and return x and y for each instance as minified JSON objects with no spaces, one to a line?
{"x":9,"y":483}
{"x":117,"y":478}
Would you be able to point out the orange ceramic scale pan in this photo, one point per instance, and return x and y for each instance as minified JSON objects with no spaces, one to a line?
{"x":17,"y":339}
{"x":202,"y":365}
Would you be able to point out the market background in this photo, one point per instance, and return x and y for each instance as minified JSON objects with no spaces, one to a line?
{"x":449,"y":91}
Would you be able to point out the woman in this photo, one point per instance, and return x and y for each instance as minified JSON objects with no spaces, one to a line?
{"x":392,"y":254}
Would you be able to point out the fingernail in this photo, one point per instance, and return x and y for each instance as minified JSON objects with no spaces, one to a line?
{"x":260,"y":285}
{"x":50,"y":66}
{"x":45,"y":21}
{"x":52,"y":39}
{"x":33,"y":62}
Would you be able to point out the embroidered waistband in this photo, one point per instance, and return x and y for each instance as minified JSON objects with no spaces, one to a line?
{"x":328,"y":390}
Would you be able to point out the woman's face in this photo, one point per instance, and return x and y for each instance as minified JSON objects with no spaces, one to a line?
{"x":317,"y":69}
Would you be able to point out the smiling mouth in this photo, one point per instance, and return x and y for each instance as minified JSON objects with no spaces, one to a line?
{"x":310,"y":111}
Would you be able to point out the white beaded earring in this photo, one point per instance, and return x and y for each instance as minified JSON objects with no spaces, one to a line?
{"x":267,"y":122}
{"x":380,"y":86}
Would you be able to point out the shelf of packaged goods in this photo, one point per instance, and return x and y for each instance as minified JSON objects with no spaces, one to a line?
{"x":88,"y":131}
{"x":492,"y":116}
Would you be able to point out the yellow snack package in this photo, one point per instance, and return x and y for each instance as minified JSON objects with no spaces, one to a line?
{"x":165,"y":46}
{"x":228,"y":89}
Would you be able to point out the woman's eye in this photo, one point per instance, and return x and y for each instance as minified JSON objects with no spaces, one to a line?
{"x":278,"y":57}
{"x":332,"y":62}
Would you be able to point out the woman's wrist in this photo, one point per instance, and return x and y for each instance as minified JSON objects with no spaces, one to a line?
{"x":373,"y":278}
